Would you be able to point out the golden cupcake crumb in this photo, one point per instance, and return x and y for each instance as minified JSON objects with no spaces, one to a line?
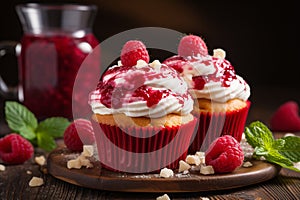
{"x":121,"y":120}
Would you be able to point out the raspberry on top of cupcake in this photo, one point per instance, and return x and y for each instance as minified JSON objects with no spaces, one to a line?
{"x":209,"y":77}
{"x":137,"y":88}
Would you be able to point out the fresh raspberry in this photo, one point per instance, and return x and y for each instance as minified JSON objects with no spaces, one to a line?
{"x":14,"y":149}
{"x":133,"y":51}
{"x":286,"y":118}
{"x":192,"y":45}
{"x":224,"y":154}
{"x":176,"y":62}
{"x":78,"y":133}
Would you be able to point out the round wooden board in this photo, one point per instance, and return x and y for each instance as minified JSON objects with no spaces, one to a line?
{"x":98,"y":178}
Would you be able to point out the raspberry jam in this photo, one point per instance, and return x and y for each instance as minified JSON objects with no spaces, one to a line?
{"x":133,"y":86}
{"x":225,"y":74}
{"x":49,"y":65}
{"x":152,"y":97}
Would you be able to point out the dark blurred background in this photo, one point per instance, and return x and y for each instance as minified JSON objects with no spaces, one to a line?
{"x":261,"y":38}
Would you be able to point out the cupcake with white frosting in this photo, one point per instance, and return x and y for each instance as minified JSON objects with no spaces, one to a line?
{"x":141,"y":114}
{"x":220,"y":95}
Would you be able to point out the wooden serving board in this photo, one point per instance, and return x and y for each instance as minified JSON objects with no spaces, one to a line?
{"x":102,"y":179}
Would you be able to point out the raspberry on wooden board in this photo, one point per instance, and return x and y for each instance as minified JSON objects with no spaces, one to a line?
{"x":78,"y":133}
{"x":14,"y":149}
{"x":224,"y":154}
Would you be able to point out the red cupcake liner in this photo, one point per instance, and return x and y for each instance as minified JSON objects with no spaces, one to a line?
{"x":142,"y":149}
{"x":213,"y":125}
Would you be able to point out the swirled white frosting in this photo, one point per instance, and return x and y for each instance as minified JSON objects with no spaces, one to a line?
{"x":238,"y":89}
{"x":145,"y":90}
{"x":214,"y":78}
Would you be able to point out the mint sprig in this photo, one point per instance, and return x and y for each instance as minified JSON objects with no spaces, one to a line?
{"x":42,"y":134}
{"x":283,"y":151}
{"x":20,"y":119}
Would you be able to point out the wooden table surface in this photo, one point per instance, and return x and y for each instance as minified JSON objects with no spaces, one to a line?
{"x":286,"y":185}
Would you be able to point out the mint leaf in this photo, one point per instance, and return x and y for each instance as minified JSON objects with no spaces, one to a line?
{"x":45,"y":141}
{"x":258,"y":134}
{"x":42,"y":134}
{"x":283,"y":151}
{"x":279,"y":143}
{"x":291,"y":148}
{"x":54,"y":126}
{"x":275,"y":157}
{"x":261,"y":151}
{"x":20,"y":119}
{"x":27,"y":133}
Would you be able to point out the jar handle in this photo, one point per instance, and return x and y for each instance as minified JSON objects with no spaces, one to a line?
{"x":12,"y":48}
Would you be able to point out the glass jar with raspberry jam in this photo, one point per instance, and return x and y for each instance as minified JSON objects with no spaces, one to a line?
{"x":57,"y":40}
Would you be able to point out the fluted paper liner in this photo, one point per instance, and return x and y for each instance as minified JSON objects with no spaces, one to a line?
{"x":129,"y":149}
{"x":213,"y":125}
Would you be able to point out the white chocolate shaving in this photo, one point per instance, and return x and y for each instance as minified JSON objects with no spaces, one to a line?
{"x":80,"y":161}
{"x":88,"y":150}
{"x":163,"y":197}
{"x":297,"y":165}
{"x":219,"y":53}
{"x":192,"y":160}
{"x":247,"y":164}
{"x":166,"y":173}
{"x":141,"y":64}
{"x":40,"y":160}
{"x":201,"y":156}
{"x":155,"y":65}
{"x":183,"y":166}
{"x":2,"y":168}
{"x":206,"y":170}
{"x":289,"y":134}
{"x":36,"y":181}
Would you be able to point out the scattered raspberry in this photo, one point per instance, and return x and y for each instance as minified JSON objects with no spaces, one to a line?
{"x":286,"y":118}
{"x":133,"y":51}
{"x":176,"y":62}
{"x":14,"y":149}
{"x":79,"y":132}
{"x":191,"y":45}
{"x":224,"y":154}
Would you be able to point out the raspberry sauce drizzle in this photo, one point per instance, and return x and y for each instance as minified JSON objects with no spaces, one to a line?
{"x":224,"y":73}
{"x":132,"y":86}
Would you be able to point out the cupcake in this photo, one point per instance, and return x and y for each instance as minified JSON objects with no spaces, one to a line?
{"x":141,"y":114}
{"x":220,"y":95}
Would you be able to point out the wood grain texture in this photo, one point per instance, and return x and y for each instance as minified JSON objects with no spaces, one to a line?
{"x":100,"y":178}
{"x":14,"y":185}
